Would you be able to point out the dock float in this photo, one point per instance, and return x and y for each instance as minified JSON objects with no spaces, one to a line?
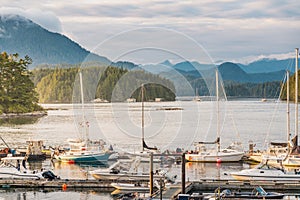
{"x":211,"y":185}
{"x":59,"y":183}
{"x":203,"y":185}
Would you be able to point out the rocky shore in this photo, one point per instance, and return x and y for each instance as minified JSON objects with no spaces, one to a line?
{"x":31,"y":114}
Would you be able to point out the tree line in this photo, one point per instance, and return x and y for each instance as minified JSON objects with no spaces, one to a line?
{"x":236,"y":89}
{"x":62,"y":85}
{"x":21,"y":90}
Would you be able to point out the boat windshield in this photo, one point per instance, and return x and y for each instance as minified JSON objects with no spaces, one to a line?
{"x":268,"y":167}
{"x":261,"y":191}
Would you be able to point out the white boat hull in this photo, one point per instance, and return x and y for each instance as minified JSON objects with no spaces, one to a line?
{"x":289,"y":161}
{"x":214,"y":156}
{"x":122,"y":176}
{"x":130,"y":187}
{"x":13,"y":173}
{"x":265,"y":175}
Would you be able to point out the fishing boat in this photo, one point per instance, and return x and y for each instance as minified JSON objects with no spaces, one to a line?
{"x":83,"y":150}
{"x":257,"y":193}
{"x":202,"y":154}
{"x":14,"y":167}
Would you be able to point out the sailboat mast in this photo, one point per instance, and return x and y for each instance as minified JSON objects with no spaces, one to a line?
{"x":296,"y":93}
{"x":218,"y":114}
{"x":82,"y":105}
{"x":143,"y":123}
{"x":288,"y":104}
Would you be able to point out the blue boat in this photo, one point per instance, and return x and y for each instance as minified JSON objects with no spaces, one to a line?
{"x":82,"y":152}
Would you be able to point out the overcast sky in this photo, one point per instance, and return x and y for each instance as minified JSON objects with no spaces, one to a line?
{"x":152,"y":31}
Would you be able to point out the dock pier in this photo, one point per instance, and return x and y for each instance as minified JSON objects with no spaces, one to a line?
{"x":203,"y":185}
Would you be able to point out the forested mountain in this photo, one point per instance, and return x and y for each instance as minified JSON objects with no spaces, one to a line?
{"x":112,"y":84}
{"x":55,"y":51}
{"x":22,"y":36}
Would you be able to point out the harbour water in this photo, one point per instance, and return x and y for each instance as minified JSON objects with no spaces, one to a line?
{"x":168,"y":125}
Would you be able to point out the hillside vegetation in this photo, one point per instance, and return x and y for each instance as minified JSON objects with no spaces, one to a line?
{"x":61,"y":85}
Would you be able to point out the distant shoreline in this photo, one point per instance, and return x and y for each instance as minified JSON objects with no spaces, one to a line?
{"x":31,"y":114}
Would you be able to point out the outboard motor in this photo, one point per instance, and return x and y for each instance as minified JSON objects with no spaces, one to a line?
{"x":49,"y":175}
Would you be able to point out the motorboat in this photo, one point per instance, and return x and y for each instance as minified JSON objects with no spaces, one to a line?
{"x":83,"y":152}
{"x":266,"y":172}
{"x":137,"y":187}
{"x":119,"y":171}
{"x":257,"y":193}
{"x":15,"y":168}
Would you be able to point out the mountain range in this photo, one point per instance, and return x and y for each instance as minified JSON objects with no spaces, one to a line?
{"x":21,"y":35}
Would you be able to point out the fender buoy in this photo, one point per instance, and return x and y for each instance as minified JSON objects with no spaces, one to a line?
{"x":71,"y":162}
{"x":64,"y":187}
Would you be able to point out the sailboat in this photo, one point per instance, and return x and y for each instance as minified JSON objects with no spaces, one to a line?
{"x":146,"y":150}
{"x":83,"y":150}
{"x":229,"y":154}
{"x":273,"y":167}
{"x":286,"y":153}
{"x":277,"y":151}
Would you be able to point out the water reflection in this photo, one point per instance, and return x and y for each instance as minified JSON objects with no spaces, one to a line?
{"x":197,"y":170}
{"x":22,"y":194}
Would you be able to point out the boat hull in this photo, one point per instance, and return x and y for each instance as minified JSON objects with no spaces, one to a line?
{"x":19,"y":175}
{"x":250,"y":195}
{"x":129,"y":187}
{"x":214,"y":157}
{"x":265,"y":175}
{"x":122,"y":176}
{"x":101,"y":157}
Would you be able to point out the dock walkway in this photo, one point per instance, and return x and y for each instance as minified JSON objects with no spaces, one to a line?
{"x":203,"y":185}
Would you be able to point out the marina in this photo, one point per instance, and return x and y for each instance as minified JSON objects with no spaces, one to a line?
{"x":200,"y":177}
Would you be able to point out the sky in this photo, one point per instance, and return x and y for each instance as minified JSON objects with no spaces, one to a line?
{"x":153,"y":31}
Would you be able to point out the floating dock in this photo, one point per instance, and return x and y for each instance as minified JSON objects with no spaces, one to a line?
{"x":203,"y":185}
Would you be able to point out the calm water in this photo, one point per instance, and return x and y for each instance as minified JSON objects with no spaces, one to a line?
{"x":168,"y":125}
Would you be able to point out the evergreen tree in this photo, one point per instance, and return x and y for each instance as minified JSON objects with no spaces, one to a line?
{"x":17,"y":91}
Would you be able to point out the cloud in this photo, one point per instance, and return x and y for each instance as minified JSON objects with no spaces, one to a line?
{"x":250,"y":59}
{"x":227,"y":29}
{"x":46,"y":19}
